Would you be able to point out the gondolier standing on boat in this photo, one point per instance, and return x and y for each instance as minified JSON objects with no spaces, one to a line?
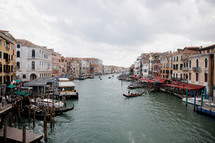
{"x":128,"y":91}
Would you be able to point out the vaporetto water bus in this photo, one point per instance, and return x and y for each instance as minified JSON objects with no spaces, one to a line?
{"x":67,"y":88}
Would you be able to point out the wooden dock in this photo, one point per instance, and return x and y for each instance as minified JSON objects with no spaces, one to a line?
{"x":15,"y":135}
{"x":6,"y":109}
{"x":206,"y":110}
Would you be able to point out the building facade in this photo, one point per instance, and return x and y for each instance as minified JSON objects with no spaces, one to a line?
{"x":156,"y":65}
{"x":56,"y":63}
{"x":166,"y":66}
{"x":63,"y":66}
{"x":201,"y":69}
{"x":7,"y":58}
{"x":32,"y":61}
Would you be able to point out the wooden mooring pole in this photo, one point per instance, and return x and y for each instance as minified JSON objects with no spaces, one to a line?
{"x":5,"y":132}
{"x":24,"y":134}
{"x":34,"y":112}
{"x":195,"y":100}
{"x":186,"y":95}
{"x":51,"y":111}
{"x":45,"y":126}
{"x":10,"y":119}
{"x":29,"y":113}
{"x":19,"y":114}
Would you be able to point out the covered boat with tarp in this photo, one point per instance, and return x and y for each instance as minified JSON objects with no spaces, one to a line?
{"x":21,"y":93}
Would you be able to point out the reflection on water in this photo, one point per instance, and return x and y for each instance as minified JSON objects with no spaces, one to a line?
{"x":103,"y":115}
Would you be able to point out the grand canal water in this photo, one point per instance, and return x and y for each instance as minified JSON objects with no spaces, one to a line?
{"x":103,"y":115}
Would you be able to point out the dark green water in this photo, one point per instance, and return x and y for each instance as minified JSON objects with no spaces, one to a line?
{"x":103,"y":115}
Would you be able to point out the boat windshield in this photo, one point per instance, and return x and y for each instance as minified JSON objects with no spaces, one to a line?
{"x":67,"y":88}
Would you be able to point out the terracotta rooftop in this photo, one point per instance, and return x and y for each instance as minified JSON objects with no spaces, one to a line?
{"x":190,"y":51}
{"x":211,"y":46}
{"x":26,"y":43}
{"x":5,"y":34}
{"x":192,"y":48}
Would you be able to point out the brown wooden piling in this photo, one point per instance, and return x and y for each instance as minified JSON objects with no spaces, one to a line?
{"x":10,"y":119}
{"x":45,"y":126}
{"x":20,"y":104}
{"x":24,"y":134}
{"x":5,"y":132}
{"x":34,"y":117}
{"x":19,"y":114}
{"x":51,"y":119}
{"x":53,"y":93}
{"x":29,"y":113}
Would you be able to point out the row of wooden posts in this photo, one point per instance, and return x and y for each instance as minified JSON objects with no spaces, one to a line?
{"x":195,"y":94}
{"x":16,"y":113}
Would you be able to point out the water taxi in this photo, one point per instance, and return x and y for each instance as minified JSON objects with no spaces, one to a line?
{"x":67,"y":88}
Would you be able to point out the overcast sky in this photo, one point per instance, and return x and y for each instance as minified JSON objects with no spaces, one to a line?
{"x":116,"y":31}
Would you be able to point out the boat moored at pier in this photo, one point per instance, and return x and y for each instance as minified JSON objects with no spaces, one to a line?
{"x":67,"y":88}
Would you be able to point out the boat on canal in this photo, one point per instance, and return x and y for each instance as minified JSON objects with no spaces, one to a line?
{"x":135,"y":85}
{"x":198,"y":100}
{"x":48,"y":103}
{"x":39,"y":112}
{"x":191,"y":100}
{"x":67,"y":88}
{"x":132,"y":95}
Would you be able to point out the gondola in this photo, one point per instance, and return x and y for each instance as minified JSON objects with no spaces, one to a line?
{"x":67,"y":109}
{"x":132,"y":95}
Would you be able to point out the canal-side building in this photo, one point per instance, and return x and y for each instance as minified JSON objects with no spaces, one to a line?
{"x":177,"y":65}
{"x":201,"y":68}
{"x":138,"y":67}
{"x":96,"y":66}
{"x":180,"y":63}
{"x":32,"y":61}
{"x":56,"y":63}
{"x":107,"y":69}
{"x":7,"y":58}
{"x":63,"y":65}
{"x":75,"y":68}
{"x":84,"y":67}
{"x":156,"y":65}
{"x":188,"y":51}
{"x":166,"y":66}
{"x":146,"y":66}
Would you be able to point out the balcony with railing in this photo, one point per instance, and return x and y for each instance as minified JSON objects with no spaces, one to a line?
{"x":7,"y":47}
{"x":185,"y":68}
{"x":196,"y":69}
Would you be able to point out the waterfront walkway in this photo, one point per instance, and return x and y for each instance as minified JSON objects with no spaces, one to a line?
{"x":6,"y":108}
{"x":16,"y":135}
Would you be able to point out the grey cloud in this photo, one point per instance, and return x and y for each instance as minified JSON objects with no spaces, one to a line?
{"x":105,"y":28}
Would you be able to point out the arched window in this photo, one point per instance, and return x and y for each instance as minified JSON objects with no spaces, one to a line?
{"x":33,"y":65}
{"x":177,"y":58}
{"x":190,"y":63}
{"x":18,"y":65}
{"x":33,"y":53}
{"x":18,"y":53}
{"x":197,"y":63}
{"x":206,"y":62}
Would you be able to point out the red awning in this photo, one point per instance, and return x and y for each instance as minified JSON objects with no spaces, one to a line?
{"x":186,"y":86}
{"x":132,"y":76}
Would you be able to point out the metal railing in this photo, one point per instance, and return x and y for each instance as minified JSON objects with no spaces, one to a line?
{"x":196,"y":69}
{"x":185,"y":68}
